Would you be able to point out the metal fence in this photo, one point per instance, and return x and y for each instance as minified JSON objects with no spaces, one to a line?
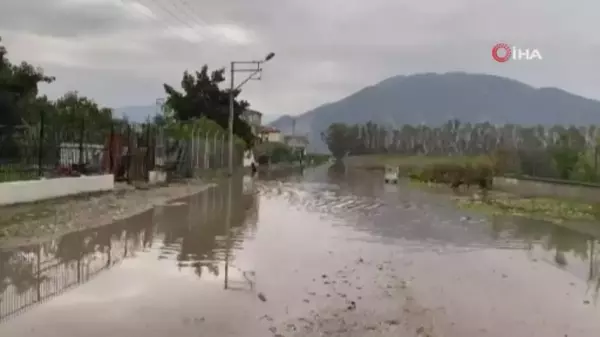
{"x":127,"y":150}
{"x":33,"y":274}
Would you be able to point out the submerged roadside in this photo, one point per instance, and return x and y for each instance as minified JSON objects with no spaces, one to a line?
{"x":30,"y":223}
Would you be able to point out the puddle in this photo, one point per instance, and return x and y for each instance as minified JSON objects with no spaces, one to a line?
{"x":313,"y":255}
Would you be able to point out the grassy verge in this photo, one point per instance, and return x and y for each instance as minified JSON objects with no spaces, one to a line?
{"x":548,"y":209}
{"x":407,"y":163}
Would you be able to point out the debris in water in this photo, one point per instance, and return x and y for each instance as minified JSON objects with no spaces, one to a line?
{"x":262,"y":297}
{"x":267,"y":317}
{"x":324,"y":276}
{"x":392,"y":322}
{"x":352,"y":305}
{"x":586,"y":302}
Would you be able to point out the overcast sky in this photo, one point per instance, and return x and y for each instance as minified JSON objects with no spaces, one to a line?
{"x":120,"y":52}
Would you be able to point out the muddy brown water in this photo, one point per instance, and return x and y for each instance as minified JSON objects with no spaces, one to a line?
{"x":325,"y":253}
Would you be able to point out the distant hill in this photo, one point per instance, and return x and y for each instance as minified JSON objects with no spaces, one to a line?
{"x":434,"y":98}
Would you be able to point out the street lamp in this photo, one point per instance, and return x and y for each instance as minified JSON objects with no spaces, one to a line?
{"x":255,"y":69}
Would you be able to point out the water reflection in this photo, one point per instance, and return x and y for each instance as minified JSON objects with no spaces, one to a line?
{"x":569,"y":249}
{"x":191,"y":232}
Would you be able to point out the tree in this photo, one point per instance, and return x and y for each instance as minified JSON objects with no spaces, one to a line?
{"x":565,"y":152}
{"x":18,"y":89}
{"x":338,"y":139}
{"x":76,"y":115}
{"x":202,"y":97}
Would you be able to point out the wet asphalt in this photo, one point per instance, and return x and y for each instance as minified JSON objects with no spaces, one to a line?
{"x":322,"y":253}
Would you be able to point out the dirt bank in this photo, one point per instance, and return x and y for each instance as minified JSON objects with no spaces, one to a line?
{"x":30,"y":223}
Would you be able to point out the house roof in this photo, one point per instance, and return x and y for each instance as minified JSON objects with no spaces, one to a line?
{"x":252,"y":112}
{"x":269,"y":129}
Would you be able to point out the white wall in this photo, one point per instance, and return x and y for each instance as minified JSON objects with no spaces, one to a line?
{"x":248,"y":158}
{"x":275,"y":137}
{"x":15,"y":192}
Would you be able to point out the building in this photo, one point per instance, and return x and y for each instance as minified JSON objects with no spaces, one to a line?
{"x":298,"y":144}
{"x":254,"y":119}
{"x":270,"y":134}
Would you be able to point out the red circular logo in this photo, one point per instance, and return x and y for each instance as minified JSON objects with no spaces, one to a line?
{"x":501,"y":52}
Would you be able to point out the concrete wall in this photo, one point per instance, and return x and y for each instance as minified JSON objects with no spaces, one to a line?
{"x":15,"y":192}
{"x":157,"y":177}
{"x":249,"y":158}
{"x":533,"y":187}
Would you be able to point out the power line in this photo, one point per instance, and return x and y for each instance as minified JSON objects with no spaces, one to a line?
{"x":191,"y":14}
{"x":151,"y":17}
{"x":172,"y":14}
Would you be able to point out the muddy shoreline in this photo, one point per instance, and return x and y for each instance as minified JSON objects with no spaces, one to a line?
{"x":37,"y":222}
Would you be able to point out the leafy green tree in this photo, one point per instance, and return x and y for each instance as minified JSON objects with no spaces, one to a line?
{"x":565,"y":156}
{"x":277,"y":152}
{"x":18,"y":89}
{"x":202,"y":97}
{"x":338,"y":139}
{"x":77,"y":115}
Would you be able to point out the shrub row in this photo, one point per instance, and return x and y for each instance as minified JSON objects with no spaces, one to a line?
{"x":456,"y":174}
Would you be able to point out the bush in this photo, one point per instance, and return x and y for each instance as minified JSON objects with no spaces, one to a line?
{"x":456,"y":174}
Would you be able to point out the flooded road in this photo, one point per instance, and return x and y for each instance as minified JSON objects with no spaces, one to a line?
{"x":323,"y":254}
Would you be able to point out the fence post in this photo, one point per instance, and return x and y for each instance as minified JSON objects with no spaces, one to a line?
{"x":40,"y":142}
{"x":129,"y":152}
{"x":198,"y":156}
{"x":81,"y":136}
{"x":206,"y":150}
{"x":223,"y":151}
{"x":147,"y":155}
{"x":214,"y":154}
{"x":111,"y":145}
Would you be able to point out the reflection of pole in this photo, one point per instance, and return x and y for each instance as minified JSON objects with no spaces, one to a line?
{"x":39,"y":273}
{"x":227,"y":232}
{"x":591,"y":257}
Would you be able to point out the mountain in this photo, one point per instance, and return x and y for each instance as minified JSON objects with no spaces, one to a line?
{"x":433,"y":99}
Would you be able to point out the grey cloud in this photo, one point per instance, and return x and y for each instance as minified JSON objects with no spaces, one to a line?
{"x":63,"y":18}
{"x":325,"y":49}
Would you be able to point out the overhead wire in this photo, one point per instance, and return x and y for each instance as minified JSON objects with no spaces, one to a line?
{"x":172,"y":12}
{"x":151,"y":17}
{"x":189,"y":11}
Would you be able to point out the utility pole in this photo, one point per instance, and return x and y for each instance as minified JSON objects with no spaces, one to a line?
{"x":233,"y":89}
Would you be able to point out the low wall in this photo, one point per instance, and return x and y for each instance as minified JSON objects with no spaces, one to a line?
{"x":16,"y":192}
{"x":535,"y":187}
{"x":157,"y":177}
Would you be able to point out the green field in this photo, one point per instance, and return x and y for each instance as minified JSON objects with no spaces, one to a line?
{"x":379,"y":161}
